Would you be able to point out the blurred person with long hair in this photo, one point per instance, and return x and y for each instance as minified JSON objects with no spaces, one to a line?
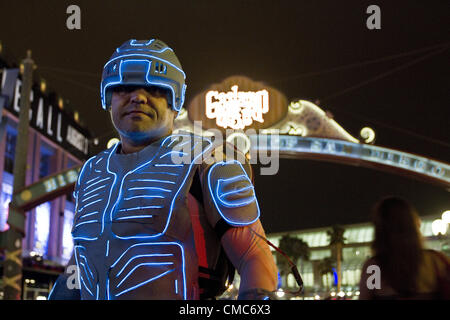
{"x":406,"y":269}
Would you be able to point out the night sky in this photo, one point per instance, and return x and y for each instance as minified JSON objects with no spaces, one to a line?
{"x":395,"y":80}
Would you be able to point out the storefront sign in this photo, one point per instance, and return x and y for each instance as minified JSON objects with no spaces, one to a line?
{"x":46,"y":117}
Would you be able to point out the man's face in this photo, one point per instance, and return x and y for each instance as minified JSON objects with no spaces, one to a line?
{"x":141,"y":114}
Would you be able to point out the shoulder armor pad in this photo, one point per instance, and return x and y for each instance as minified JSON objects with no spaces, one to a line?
{"x":233,"y":193}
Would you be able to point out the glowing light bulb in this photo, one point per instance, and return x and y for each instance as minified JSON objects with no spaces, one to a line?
{"x":43,"y":85}
{"x":367,"y":134}
{"x":446,"y":216}
{"x":112,"y":142}
{"x":61,"y":105}
{"x":280,"y":293}
{"x":439,"y":227}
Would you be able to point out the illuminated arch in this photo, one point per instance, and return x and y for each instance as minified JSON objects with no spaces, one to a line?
{"x":308,"y":132}
{"x":358,"y":154}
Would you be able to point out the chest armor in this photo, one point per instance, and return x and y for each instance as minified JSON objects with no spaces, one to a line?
{"x":132,"y":231}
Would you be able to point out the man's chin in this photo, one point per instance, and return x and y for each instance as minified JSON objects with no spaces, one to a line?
{"x":139,"y":135}
{"x":136,"y":128}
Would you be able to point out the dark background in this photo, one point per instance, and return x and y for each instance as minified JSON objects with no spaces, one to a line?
{"x":395,"y":80}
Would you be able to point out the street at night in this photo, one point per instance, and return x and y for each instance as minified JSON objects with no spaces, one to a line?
{"x":337,"y":113}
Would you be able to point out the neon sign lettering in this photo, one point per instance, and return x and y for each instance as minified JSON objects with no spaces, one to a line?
{"x":236,"y":110}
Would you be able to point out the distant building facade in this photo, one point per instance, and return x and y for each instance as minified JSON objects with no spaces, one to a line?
{"x":356,"y":249}
{"x":56,"y":142}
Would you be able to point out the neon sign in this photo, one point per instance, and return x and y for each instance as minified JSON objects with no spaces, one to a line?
{"x":236,"y":110}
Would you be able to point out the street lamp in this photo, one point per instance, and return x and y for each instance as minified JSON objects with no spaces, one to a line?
{"x":439,"y":228}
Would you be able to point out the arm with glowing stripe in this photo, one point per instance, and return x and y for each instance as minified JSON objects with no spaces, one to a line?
{"x":252,"y":259}
{"x":229,"y":199}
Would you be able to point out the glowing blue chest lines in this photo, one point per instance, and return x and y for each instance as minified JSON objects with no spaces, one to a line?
{"x":144,"y":194}
{"x":87,"y":275}
{"x":138,"y":195}
{"x":148,"y":192}
{"x":91,"y":195}
{"x":162,"y":261}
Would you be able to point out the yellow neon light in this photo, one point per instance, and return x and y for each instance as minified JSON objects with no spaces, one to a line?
{"x":367,"y":134}
{"x":236,"y":110}
{"x":112,"y":142}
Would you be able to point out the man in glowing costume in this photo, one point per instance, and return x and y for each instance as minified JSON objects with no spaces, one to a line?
{"x":159,"y":213}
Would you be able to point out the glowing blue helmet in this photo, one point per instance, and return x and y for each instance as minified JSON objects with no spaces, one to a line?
{"x":144,"y":63}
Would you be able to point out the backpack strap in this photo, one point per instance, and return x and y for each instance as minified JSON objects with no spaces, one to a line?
{"x":211,"y":280}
